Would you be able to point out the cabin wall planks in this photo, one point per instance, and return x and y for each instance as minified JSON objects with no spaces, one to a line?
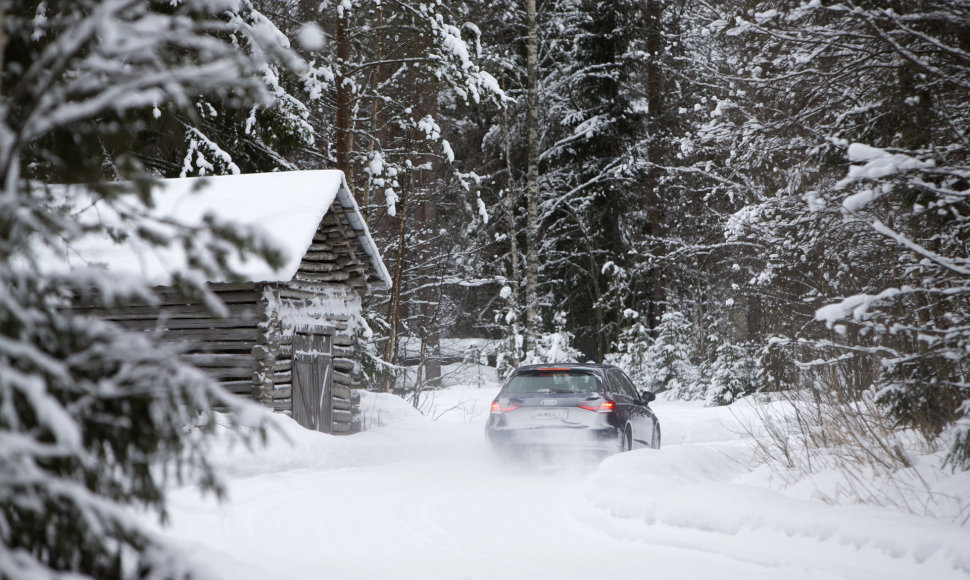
{"x":250,"y":351}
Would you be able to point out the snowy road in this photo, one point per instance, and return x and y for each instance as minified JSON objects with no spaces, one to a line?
{"x":413,"y":498}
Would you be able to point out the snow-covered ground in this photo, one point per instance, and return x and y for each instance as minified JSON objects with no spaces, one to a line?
{"x":414,"y":497}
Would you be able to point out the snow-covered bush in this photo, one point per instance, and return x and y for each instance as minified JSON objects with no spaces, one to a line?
{"x":554,"y":347}
{"x":829,"y":434}
{"x":510,"y":348}
{"x":669,"y":365}
{"x":376,"y":374}
{"x":776,"y":361}
{"x":631,"y":351}
{"x":914,"y":388}
{"x":733,"y":374}
{"x":668,"y":362}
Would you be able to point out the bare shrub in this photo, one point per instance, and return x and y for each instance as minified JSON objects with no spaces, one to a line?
{"x":833,"y":426}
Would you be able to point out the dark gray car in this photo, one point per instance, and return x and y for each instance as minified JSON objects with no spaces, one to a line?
{"x":571,"y":407}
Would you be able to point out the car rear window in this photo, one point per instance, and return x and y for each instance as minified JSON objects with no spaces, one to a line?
{"x":553,"y":382}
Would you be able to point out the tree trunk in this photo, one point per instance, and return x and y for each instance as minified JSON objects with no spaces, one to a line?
{"x":532,"y":180}
{"x":651,"y":14}
{"x":344,"y":99}
{"x":394,"y":305}
{"x":375,"y":118}
{"x":3,"y":44}
{"x":425,"y":219}
{"x":513,"y":236}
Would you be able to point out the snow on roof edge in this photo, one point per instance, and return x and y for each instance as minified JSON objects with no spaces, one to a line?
{"x":352,"y":211}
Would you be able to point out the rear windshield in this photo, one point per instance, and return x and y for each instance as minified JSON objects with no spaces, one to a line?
{"x":553,"y":382}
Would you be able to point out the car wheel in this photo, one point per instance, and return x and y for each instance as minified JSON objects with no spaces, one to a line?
{"x":655,"y":441}
{"x":625,"y":440}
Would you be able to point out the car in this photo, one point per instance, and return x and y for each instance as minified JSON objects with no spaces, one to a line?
{"x":571,"y":407}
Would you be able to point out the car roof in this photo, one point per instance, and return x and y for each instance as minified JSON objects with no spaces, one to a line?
{"x":564,"y":366}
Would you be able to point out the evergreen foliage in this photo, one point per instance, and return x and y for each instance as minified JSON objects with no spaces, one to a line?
{"x":671,"y":356}
{"x":555,"y":346}
{"x":95,"y":420}
{"x":733,"y":374}
{"x":589,"y":172}
{"x":631,"y":352}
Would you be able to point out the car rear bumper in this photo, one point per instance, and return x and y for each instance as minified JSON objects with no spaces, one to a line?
{"x":553,"y":438}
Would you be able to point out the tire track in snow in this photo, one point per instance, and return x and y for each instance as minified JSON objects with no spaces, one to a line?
{"x":425,"y":501}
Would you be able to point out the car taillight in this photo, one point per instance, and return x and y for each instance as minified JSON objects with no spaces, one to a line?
{"x":498,"y":408}
{"x":602,"y":407}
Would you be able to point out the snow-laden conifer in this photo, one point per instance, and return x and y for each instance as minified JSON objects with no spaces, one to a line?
{"x":95,"y":421}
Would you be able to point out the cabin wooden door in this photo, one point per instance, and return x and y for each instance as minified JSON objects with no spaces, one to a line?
{"x":313,"y":378}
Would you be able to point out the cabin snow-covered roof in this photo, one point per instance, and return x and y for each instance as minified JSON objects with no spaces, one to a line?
{"x":283,"y":208}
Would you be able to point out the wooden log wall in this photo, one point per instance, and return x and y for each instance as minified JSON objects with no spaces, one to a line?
{"x":222,"y":347}
{"x":336,"y":267}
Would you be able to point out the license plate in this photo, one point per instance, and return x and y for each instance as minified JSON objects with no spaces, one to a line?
{"x":550,"y":414}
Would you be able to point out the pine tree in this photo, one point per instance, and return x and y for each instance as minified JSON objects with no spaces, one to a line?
{"x":671,"y":359}
{"x":733,"y":374}
{"x":631,"y":349}
{"x":95,"y":420}
{"x":591,"y":177}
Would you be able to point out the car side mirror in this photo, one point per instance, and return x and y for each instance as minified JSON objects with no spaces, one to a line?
{"x":647,"y":396}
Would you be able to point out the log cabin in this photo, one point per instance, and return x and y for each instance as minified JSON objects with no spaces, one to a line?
{"x":286,"y":337}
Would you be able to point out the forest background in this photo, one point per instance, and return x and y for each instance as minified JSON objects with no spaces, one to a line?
{"x":722,"y":198}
